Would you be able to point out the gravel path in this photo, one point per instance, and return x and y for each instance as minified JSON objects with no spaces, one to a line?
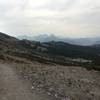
{"x":13,"y":88}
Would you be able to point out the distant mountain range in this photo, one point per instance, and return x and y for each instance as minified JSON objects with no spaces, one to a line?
{"x":76,"y":41}
{"x":48,"y":52}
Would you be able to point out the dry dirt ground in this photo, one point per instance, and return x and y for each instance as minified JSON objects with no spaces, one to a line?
{"x":37,"y":81}
{"x":14,"y":88}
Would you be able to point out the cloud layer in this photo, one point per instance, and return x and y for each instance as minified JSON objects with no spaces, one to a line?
{"x":73,"y":18}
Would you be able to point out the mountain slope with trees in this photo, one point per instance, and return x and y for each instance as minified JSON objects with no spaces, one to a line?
{"x":49,"y":52}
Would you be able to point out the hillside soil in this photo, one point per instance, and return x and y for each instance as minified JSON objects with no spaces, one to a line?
{"x":13,"y":87}
{"x":36,"y":81}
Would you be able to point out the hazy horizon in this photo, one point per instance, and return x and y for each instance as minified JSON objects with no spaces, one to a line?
{"x":53,"y":35}
{"x":65,"y":18}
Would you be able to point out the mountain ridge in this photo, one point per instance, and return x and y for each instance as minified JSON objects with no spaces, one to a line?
{"x":49,"y":52}
{"x":75,"y":41}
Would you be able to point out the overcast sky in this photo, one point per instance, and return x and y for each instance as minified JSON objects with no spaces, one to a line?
{"x":70,"y":18}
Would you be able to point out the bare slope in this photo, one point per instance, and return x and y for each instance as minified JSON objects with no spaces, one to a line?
{"x":13,"y":88}
{"x":62,"y":82}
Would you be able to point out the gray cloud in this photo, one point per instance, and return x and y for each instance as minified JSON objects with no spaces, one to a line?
{"x":77,"y":18}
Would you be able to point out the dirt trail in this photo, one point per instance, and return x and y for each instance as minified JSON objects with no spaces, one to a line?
{"x":13,"y":88}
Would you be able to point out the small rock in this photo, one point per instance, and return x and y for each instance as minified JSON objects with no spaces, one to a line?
{"x":49,"y":93}
{"x":56,"y":95}
{"x":32,"y":87}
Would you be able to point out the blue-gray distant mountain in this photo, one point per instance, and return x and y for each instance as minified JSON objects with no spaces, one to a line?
{"x":76,"y":41}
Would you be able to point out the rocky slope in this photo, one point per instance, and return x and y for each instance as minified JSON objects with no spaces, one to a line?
{"x":62,"y":82}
